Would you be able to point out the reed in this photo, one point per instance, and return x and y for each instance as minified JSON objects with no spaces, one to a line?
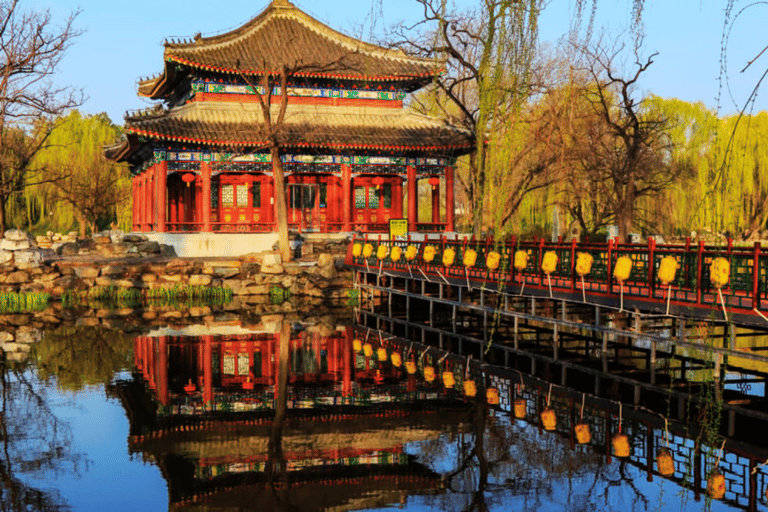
{"x":23,"y":302}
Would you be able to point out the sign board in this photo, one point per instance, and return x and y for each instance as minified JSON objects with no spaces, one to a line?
{"x":398,"y":228}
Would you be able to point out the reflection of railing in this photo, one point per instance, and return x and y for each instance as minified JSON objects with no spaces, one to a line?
{"x":691,"y":287}
{"x":526,"y":397}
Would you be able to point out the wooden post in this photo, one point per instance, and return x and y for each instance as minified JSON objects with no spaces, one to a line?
{"x":450,"y":200}
{"x":161,"y":179}
{"x":205,"y":171}
{"x":346,"y":197}
{"x":413,"y":199}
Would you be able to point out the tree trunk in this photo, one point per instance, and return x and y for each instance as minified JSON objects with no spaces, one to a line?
{"x":2,"y":215}
{"x":281,"y":209}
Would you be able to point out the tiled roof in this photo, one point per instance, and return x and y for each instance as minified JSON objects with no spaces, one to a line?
{"x":284,"y":36}
{"x":231,"y":124}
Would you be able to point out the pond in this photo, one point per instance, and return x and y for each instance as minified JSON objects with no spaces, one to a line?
{"x":290,"y":415}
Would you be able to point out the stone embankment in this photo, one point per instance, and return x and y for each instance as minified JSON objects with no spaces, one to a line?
{"x":130,"y":262}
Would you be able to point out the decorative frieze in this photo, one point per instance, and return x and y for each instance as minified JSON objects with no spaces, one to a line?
{"x":302,"y":92}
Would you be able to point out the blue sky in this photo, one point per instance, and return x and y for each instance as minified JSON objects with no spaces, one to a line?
{"x":123,"y":41}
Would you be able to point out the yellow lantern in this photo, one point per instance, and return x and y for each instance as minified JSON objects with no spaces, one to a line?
{"x":429,"y":253}
{"x":520,"y":408}
{"x":667,"y":270}
{"x":719,"y":272}
{"x":410,"y":367}
{"x":621,"y":445}
{"x":367,"y":250}
{"x":583,"y":436}
{"x":716,"y":485}
{"x":357,"y":250}
{"x":665,"y":462}
{"x":397,"y":360}
{"x":470,"y":388}
{"x":357,"y":345}
{"x":470,"y":258}
{"x":382,"y":252}
{"x":449,"y":380}
{"x":381,"y":353}
{"x":583,"y":263}
{"x":410,"y":252}
{"x":622,"y":269}
{"x":548,"y":419}
{"x":492,"y":396}
{"x":429,"y":373}
{"x":492,"y":260}
{"x":448,"y":256}
{"x":521,"y":260}
{"x":396,"y":253}
{"x":549,"y":262}
{"x":368,"y":350}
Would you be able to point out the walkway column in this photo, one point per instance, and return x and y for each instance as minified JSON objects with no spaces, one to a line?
{"x":450,"y":200}
{"x":147,"y":218}
{"x":208,"y":371}
{"x":346,"y":197}
{"x":162,"y":370}
{"x":413,"y":193}
{"x":205,"y":170}
{"x":161,"y":179}
{"x":135,"y":210}
{"x":435,"y":204}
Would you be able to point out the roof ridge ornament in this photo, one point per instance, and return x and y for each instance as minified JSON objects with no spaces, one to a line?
{"x":282,"y":3}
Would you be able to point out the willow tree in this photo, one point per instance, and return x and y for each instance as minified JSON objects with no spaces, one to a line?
{"x":488,"y":54}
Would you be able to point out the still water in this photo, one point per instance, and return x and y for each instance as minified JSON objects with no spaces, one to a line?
{"x":280,"y":416}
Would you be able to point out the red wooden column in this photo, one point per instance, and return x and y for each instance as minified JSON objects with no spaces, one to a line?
{"x":136,"y":205}
{"x":205,"y":170}
{"x":162,"y":370}
{"x":208,"y":371}
{"x":346,"y":197}
{"x":450,"y":200}
{"x":435,"y":204}
{"x":413,"y":192}
{"x":161,"y":180}
{"x":147,"y":217}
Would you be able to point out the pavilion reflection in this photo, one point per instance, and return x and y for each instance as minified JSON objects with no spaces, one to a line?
{"x":288,"y":419}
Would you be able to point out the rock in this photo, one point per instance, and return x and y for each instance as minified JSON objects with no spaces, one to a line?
{"x":198,"y":311}
{"x":149,"y":278}
{"x":28,"y":335}
{"x":149,"y":247}
{"x":134,"y":238}
{"x":199,"y":280}
{"x":5,"y":257}
{"x":16,"y":235}
{"x":14,"y":245}
{"x":167,"y":251}
{"x":101,"y":239}
{"x":170,"y":278}
{"x":112,"y":270}
{"x":326,"y":260}
{"x":17,"y":277}
{"x":28,"y":259}
{"x":327,"y":272}
{"x":275,"y":268}
{"x":69,"y":283}
{"x":86,"y":272}
{"x":69,"y":249}
{"x":116,"y":235}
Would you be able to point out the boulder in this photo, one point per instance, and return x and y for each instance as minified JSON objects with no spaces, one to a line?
{"x":28,"y":259}
{"x":16,"y":235}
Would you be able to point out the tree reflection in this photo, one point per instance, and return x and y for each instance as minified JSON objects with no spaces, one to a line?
{"x":80,"y":356}
{"x":34,"y":443}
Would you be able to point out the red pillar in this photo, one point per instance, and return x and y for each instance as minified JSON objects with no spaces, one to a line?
{"x":135,"y":208}
{"x":450,"y":200}
{"x":208,"y":371}
{"x":346,"y":197}
{"x":161,"y":178}
{"x":413,"y":199}
{"x":205,"y":170}
{"x":148,"y":217}
{"x":162,"y":370}
{"x":435,"y":204}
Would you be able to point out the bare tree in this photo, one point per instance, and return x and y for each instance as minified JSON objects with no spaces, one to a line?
{"x":31,"y":49}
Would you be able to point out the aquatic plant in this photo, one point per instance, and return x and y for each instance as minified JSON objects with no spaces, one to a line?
{"x":23,"y":302}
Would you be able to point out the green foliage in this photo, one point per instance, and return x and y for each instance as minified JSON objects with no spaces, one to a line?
{"x":23,"y":302}
{"x":113,"y":297}
{"x":83,"y":356}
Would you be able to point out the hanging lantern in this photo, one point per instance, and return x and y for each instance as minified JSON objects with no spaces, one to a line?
{"x":429,"y":373}
{"x":410,"y":367}
{"x":381,"y":353}
{"x":470,"y":258}
{"x":549,"y":262}
{"x":449,"y":380}
{"x":520,"y":407}
{"x":667,"y":270}
{"x":397,"y":360}
{"x":357,"y":250}
{"x":378,"y":181}
{"x":583,"y":436}
{"x":470,"y":388}
{"x":188,"y":178}
{"x":716,"y":485}
{"x":434,"y":181}
{"x":521,"y":260}
{"x":548,"y":419}
{"x":411,"y":252}
{"x":583,"y":263}
{"x":189,"y":388}
{"x":665,"y":462}
{"x":622,"y":269}
{"x":382,"y":252}
{"x":367,"y":250}
{"x":719,"y":272}
{"x":492,"y":260}
{"x":621,"y":445}
{"x":396,"y":252}
{"x":368,"y":350}
{"x":357,"y":345}
{"x":429,"y":253}
{"x":492,"y":396}
{"x":448,"y":256}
